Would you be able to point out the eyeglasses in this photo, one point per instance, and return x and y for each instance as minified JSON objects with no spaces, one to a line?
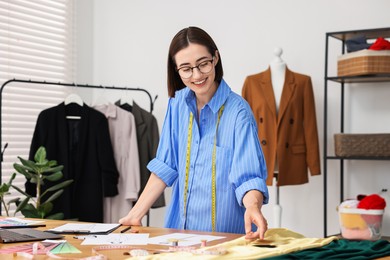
{"x":203,"y":67}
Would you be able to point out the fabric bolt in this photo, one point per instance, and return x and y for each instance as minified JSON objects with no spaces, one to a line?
{"x":147,"y":138}
{"x":124,"y":143}
{"x":93,"y":169}
{"x":290,"y":135}
{"x":240,"y":164}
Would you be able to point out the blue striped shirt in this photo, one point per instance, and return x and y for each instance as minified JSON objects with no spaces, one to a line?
{"x":240,"y":164}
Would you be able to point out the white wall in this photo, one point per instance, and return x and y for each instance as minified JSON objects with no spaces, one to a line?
{"x":125,"y":43}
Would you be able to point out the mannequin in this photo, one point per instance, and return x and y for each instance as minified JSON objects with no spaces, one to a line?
{"x":278,"y":72}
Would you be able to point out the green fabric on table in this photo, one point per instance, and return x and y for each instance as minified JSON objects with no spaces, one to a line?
{"x":343,"y":249}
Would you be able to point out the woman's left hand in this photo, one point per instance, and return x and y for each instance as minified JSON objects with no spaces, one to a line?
{"x":254,"y":215}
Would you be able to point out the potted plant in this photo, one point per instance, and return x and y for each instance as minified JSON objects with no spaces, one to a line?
{"x":39,"y":171}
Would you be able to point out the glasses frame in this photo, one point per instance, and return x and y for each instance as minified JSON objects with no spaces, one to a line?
{"x":197,"y":66}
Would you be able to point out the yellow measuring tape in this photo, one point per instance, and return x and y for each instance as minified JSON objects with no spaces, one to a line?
{"x":213,"y":168}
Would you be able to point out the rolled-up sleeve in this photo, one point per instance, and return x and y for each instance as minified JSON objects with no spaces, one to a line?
{"x":249,"y":170}
{"x":164,"y":165}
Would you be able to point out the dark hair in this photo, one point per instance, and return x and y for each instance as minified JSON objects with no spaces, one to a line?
{"x":181,"y":40}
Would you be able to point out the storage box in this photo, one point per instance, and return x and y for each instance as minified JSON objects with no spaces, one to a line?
{"x":362,"y":145}
{"x":364,"y":62}
{"x":363,"y":224}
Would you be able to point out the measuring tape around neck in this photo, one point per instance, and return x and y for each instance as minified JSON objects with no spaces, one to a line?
{"x":213,"y":168}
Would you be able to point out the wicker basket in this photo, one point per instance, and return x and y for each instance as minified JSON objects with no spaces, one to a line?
{"x":362,"y":145}
{"x":363,"y":62}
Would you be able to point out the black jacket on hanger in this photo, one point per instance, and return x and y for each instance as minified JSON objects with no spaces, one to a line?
{"x":83,"y":146}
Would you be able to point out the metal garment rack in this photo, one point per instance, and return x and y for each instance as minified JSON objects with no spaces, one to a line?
{"x":65,"y":85}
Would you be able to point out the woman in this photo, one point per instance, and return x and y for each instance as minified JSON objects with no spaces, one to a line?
{"x":209,"y":150}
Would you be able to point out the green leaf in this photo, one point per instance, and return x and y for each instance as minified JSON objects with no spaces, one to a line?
{"x":4,"y":188}
{"x":59,"y":186}
{"x":54,"y":196}
{"x":40,"y":155}
{"x":12,"y":178}
{"x":46,"y":207}
{"x":56,"y":216}
{"x":34,"y":180}
{"x":22,"y":205}
{"x":52,"y":163}
{"x":29,"y":211}
{"x":54,"y":169}
{"x":29,"y":164}
{"x":20,"y":190}
{"x":55,"y":176}
{"x":23,"y":170}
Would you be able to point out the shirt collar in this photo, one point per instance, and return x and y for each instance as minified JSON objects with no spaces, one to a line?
{"x":216,"y":101}
{"x":109,"y":110}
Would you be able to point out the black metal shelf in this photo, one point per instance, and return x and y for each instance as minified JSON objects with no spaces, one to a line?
{"x":361,"y":79}
{"x":358,"y":158}
{"x":342,"y":36}
{"x":369,"y":33}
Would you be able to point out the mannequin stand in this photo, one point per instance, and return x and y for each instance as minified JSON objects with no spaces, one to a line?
{"x":277,"y":207}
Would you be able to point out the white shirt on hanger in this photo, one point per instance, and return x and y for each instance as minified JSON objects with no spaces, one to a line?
{"x":123,"y":136}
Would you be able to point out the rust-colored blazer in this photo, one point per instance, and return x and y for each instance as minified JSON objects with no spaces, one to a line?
{"x":291,"y":135}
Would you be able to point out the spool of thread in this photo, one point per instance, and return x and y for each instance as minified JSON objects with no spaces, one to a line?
{"x":175,"y":242}
{"x":203,"y":242}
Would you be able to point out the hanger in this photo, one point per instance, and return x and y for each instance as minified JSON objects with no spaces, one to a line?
{"x":126,"y":99}
{"x":73,"y":98}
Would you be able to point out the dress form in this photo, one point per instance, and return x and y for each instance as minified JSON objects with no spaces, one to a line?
{"x":278,"y":72}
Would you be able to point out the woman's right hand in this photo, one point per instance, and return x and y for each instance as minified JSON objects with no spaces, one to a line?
{"x":129,"y":220}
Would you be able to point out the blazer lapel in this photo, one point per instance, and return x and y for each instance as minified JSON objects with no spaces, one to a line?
{"x":268,"y":92}
{"x":288,"y":90}
{"x":140,"y":121}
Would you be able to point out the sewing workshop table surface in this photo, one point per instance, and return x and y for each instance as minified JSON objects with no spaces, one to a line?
{"x":87,"y":250}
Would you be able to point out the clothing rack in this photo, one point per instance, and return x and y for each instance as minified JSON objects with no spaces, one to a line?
{"x":65,"y":85}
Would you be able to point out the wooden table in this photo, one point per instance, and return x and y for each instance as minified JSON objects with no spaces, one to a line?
{"x":87,"y":250}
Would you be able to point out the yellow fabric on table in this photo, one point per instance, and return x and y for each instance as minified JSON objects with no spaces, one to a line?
{"x":286,"y":241}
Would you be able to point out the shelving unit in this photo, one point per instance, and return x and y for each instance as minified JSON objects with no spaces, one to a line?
{"x":342,"y":37}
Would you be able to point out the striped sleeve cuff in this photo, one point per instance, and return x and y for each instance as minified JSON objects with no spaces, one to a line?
{"x":163,"y":171}
{"x":252,"y":184}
